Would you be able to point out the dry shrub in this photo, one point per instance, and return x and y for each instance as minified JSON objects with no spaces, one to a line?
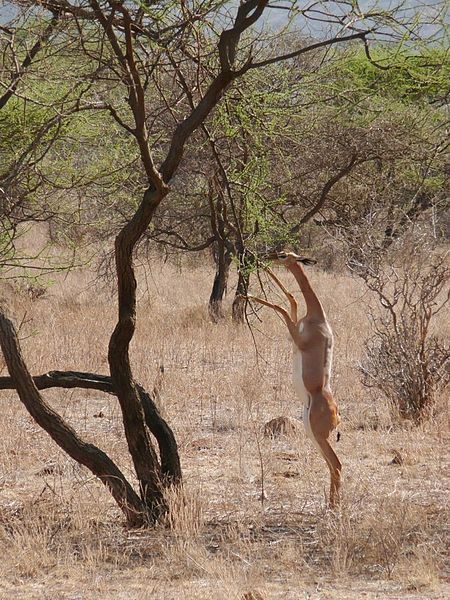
{"x":404,"y":358}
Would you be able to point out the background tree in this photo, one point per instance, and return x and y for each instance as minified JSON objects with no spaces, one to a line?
{"x":43,"y":125}
{"x":287,"y":156}
{"x":26,"y":133}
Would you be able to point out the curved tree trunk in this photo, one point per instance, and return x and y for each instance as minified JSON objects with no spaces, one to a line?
{"x":139,"y":443}
{"x":87,"y":454}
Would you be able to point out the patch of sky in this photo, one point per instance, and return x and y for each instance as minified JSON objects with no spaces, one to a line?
{"x":322,"y":18}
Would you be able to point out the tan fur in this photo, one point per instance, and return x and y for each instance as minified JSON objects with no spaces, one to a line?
{"x":313,"y":338}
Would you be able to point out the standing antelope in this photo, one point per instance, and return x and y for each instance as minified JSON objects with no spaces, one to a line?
{"x":313,"y":350}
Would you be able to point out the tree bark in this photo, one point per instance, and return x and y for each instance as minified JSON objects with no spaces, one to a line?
{"x":139,"y":443}
{"x":223,"y":249}
{"x":87,"y":454}
{"x":223,"y":262}
{"x":239,"y":300}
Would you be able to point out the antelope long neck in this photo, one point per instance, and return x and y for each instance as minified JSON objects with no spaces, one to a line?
{"x":313,"y":306}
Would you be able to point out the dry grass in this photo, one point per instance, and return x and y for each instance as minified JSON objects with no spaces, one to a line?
{"x":253,"y":518}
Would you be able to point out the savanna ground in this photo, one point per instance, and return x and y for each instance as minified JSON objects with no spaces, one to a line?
{"x":255,"y":517}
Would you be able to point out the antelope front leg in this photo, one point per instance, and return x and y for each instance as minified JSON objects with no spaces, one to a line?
{"x":292,"y":301}
{"x":291,"y":325}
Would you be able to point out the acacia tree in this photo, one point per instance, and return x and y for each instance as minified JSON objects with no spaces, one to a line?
{"x":288,"y":152}
{"x":43,"y":124}
{"x":133,"y":48}
{"x":261,"y":177}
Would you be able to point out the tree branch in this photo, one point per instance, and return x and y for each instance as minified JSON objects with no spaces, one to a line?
{"x":324,"y":194}
{"x":170,"y":462}
{"x":323,"y":44}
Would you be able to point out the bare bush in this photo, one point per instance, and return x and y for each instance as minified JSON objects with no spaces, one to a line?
{"x":405,"y":358}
